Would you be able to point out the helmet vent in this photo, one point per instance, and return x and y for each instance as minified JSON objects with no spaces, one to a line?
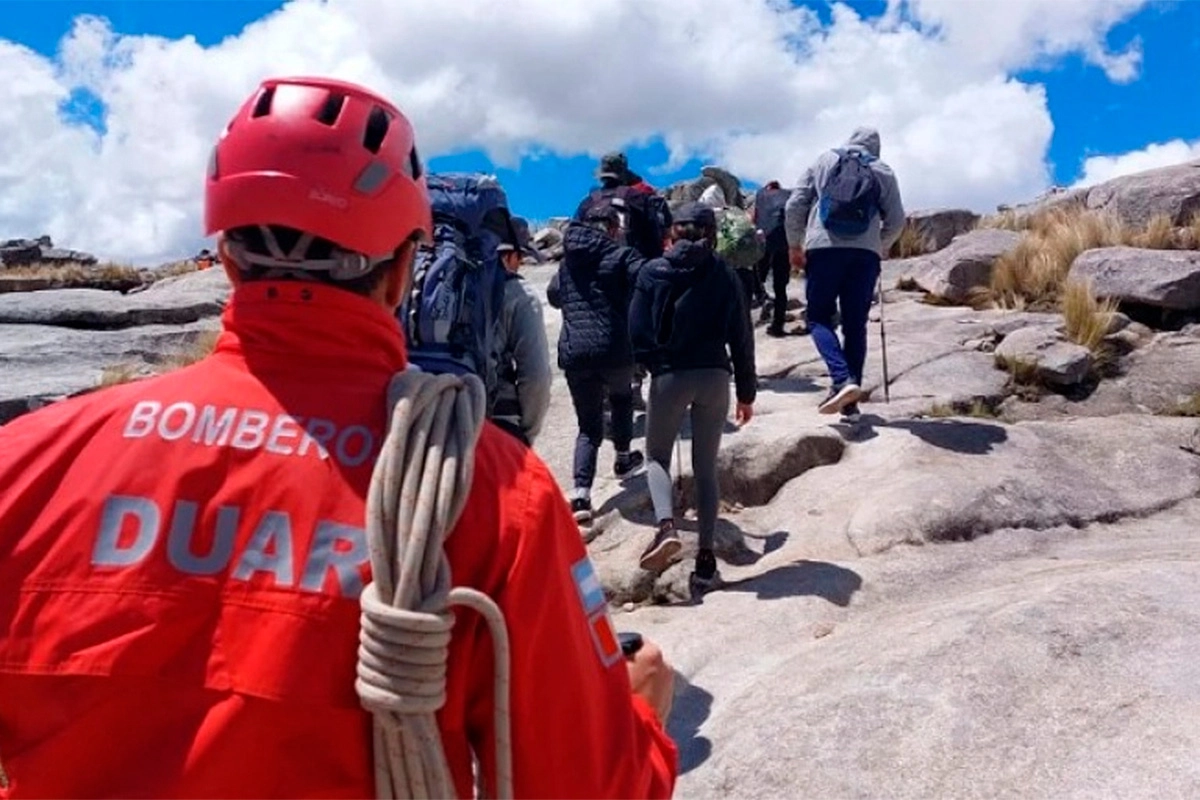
{"x":262,"y":106}
{"x":377,"y":128}
{"x":414,"y":164}
{"x":331,"y":108}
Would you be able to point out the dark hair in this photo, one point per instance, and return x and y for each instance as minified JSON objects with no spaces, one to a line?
{"x":251,"y":237}
{"x":694,"y":232}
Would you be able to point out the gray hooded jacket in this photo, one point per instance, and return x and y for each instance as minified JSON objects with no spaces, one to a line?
{"x":522,"y":360}
{"x":803,"y":223}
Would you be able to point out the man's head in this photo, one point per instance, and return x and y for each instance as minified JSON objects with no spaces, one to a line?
{"x":315,"y":179}
{"x":614,"y":168}
{"x":865,"y":138}
{"x":695,"y":222}
{"x":512,"y":254}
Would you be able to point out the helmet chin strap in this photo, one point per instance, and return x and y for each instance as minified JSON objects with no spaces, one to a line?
{"x":343,"y":266}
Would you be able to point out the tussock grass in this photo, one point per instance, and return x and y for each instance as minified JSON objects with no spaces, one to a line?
{"x":74,"y":272}
{"x":199,"y":348}
{"x":911,"y":243}
{"x":1088,"y":319}
{"x":977,"y":409}
{"x":1188,"y":408}
{"x":1034,"y":274}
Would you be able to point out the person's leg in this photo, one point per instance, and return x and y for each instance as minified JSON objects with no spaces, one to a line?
{"x":619,"y":383}
{"x":670,"y":394}
{"x":587,"y":395}
{"x":746,"y":277}
{"x":709,"y":410}
{"x":781,"y":272}
{"x":823,"y":283}
{"x":857,"y":291}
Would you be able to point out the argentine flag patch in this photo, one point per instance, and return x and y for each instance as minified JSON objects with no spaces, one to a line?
{"x":595,"y":608}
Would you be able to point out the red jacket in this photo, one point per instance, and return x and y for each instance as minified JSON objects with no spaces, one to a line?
{"x":180,"y":562}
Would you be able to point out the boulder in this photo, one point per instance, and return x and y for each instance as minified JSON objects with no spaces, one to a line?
{"x":42,"y":363}
{"x":950,"y":274}
{"x":549,"y":243}
{"x":1173,"y":192}
{"x":21,"y":252}
{"x":691,"y":190}
{"x":172,"y":301}
{"x":938,"y":227}
{"x":1158,"y":377}
{"x":1054,"y":360}
{"x":1168,"y":279}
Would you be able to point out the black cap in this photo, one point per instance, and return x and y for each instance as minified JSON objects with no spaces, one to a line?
{"x":613,"y":165}
{"x":695,"y":214}
{"x":524,"y":240}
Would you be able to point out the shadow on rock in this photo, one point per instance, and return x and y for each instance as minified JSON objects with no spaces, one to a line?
{"x":692,"y":707}
{"x":804,"y":579}
{"x":969,"y":438}
{"x":790,"y":385}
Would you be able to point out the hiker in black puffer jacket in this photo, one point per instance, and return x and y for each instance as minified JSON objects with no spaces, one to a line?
{"x":689,"y":324}
{"x":593,"y":288}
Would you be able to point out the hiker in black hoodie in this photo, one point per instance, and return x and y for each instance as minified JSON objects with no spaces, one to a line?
{"x":593,"y":288}
{"x":689,"y":324}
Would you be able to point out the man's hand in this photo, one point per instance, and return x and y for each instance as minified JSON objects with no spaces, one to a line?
{"x":797,"y":259}
{"x":744,"y":413}
{"x":651,"y":677}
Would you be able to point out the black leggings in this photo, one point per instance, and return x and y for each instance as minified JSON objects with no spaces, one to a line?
{"x":588,"y":389}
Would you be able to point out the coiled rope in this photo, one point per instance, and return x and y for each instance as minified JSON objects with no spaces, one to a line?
{"x":418,"y":491}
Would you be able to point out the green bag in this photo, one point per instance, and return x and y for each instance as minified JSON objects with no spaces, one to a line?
{"x":737,"y":239}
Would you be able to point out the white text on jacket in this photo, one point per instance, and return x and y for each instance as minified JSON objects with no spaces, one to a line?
{"x":131,"y":527}
{"x":251,"y":429}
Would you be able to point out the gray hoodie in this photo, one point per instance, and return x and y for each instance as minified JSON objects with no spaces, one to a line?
{"x":803,"y":223}
{"x":523,"y":360}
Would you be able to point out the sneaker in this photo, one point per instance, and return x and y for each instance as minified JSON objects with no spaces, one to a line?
{"x":625,"y":466}
{"x":662,"y":551}
{"x":705,"y":575}
{"x":839,"y":397}
{"x":776,"y":331}
{"x":581,"y":507}
{"x":850,"y":413}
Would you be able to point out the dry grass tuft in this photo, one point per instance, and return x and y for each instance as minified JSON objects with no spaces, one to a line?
{"x":201,"y":348}
{"x":911,"y":243}
{"x":74,"y":272}
{"x":1034,"y":274}
{"x":977,"y":409}
{"x":118,"y":374}
{"x":1188,"y":408}
{"x":1088,"y":320}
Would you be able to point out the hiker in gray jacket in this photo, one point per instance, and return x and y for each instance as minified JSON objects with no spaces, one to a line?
{"x":844,"y":215}
{"x":522,"y":355}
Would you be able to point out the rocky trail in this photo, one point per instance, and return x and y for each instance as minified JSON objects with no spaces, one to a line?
{"x":989,"y":587}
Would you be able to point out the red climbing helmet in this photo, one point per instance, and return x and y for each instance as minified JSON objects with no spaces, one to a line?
{"x":328,"y":158}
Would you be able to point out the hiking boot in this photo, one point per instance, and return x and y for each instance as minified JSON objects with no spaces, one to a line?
{"x":581,"y":508}
{"x":776,"y":332}
{"x":628,"y":463}
{"x":850,"y":413}
{"x":662,"y":551}
{"x":705,"y":575}
{"x":840,"y":396}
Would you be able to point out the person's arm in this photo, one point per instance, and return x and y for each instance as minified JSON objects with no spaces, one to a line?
{"x":641,"y":320}
{"x":553,"y":290}
{"x":741,"y":344}
{"x":799,"y":206}
{"x":578,"y":730}
{"x":527,"y":342}
{"x":891,"y":210}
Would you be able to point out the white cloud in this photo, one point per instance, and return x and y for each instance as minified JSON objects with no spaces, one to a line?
{"x":1098,"y":169}
{"x":760,"y":86}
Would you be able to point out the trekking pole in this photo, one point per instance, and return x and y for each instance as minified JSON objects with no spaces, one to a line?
{"x":887,"y":395}
{"x":677,"y":478}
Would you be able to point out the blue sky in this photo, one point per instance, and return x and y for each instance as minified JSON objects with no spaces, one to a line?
{"x":1091,"y":114}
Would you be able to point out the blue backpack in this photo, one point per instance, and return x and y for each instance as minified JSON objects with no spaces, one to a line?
{"x":450,"y":315}
{"x":850,"y":198}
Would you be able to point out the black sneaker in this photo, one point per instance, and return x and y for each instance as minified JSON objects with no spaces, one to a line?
{"x":705,"y":575}
{"x":840,"y":396}
{"x":631,"y":463}
{"x":581,"y":507}
{"x":776,"y":332}
{"x":662,"y":551}
{"x":850,"y":413}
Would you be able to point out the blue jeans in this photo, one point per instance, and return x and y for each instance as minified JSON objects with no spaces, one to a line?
{"x":841,"y":277}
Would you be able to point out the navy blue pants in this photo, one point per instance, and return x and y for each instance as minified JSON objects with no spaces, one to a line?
{"x":841,"y":278}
